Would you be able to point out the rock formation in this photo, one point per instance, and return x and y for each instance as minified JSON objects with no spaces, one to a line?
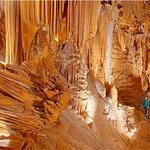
{"x":88,"y":58}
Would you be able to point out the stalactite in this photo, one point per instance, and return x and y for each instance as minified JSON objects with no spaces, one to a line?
{"x":92,"y":43}
{"x":82,"y":21}
{"x":54,"y":20}
{"x":108,"y":57}
{"x":37,"y":12}
{"x":10,"y":9}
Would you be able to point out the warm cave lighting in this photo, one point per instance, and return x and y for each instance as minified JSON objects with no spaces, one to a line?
{"x":70,"y":70}
{"x":91,"y":108}
{"x":4,"y":132}
{"x":56,"y":39}
{"x":123,"y":116}
{"x":124,"y":122}
{"x":2,"y":62}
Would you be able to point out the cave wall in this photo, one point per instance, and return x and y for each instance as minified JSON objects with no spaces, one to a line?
{"x":130,"y":51}
{"x":75,"y":40}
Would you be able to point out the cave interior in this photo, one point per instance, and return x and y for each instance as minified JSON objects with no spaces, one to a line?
{"x":74,"y":75}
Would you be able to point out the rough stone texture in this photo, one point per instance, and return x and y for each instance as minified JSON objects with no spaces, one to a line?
{"x":129,"y":54}
{"x":53,"y":45}
{"x":36,"y":97}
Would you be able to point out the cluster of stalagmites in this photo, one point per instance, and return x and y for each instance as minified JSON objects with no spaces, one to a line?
{"x":72,"y":66}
